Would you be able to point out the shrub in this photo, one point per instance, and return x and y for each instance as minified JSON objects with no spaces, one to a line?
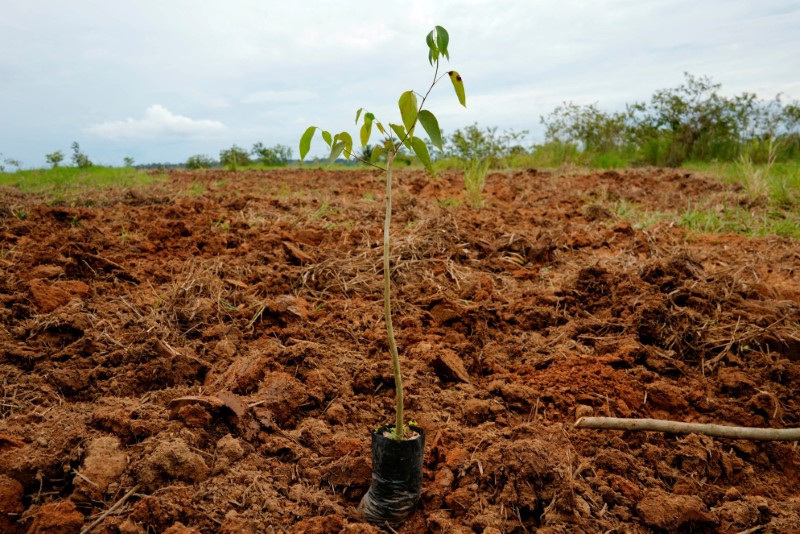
{"x":487,"y":144}
{"x":276,"y":156}
{"x":234,"y":157}
{"x":200,"y":161}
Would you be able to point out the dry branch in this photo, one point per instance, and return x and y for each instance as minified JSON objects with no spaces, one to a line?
{"x":110,"y":511}
{"x":675,"y":427}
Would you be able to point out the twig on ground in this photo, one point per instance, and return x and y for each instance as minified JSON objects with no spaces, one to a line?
{"x":111,"y":510}
{"x":675,"y":427}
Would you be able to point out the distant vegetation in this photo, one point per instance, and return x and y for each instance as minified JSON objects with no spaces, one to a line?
{"x":741,"y":139}
{"x":692,"y":122}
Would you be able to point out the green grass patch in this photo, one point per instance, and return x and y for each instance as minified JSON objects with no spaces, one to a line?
{"x":778,"y":184}
{"x":772,"y":194}
{"x":196,"y":189}
{"x":740,"y":220}
{"x":639,"y":217}
{"x":68,"y":183}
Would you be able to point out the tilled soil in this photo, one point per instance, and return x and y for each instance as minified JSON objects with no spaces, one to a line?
{"x":209,"y":355}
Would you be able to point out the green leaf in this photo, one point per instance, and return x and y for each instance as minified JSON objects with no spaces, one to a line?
{"x":408,"y":109}
{"x":433,"y":52}
{"x":442,"y":40}
{"x":422,"y":153}
{"x":401,"y":133}
{"x":376,"y":153}
{"x":358,"y":114}
{"x":431,"y":126}
{"x":336,"y":149}
{"x":381,"y":129}
{"x":458,"y":85}
{"x":348,"y":143}
{"x":305,"y":141}
{"x":326,"y":135}
{"x":366,"y":131}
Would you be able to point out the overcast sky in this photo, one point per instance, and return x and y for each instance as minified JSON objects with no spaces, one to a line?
{"x":162,"y":80}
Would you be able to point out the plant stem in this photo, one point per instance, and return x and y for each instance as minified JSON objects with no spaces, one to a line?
{"x":387,"y":301}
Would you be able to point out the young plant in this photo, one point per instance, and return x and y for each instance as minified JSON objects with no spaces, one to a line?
{"x":397,"y":136}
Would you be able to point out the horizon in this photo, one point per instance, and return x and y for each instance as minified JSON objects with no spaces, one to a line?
{"x":162,"y":83}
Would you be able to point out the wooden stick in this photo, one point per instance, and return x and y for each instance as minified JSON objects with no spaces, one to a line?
{"x":111,"y":510}
{"x":675,"y":427}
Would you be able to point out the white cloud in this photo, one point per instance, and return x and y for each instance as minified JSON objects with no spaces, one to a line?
{"x":157,"y":121}
{"x":283,"y":97}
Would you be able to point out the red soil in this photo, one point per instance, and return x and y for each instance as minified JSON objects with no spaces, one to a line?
{"x":224,"y":356}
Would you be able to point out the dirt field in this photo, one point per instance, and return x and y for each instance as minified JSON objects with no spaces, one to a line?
{"x":208,"y":355}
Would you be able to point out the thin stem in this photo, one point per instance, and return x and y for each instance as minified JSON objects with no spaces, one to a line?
{"x":387,"y":276}
{"x":362,"y":160}
{"x":387,"y":301}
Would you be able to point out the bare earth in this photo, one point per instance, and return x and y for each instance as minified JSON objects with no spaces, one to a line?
{"x":209,"y":355}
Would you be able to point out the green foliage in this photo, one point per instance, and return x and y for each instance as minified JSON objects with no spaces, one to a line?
{"x":54,"y":158}
{"x":690,"y":122}
{"x":200,"y":161}
{"x":13,"y":162}
{"x":592,"y":129}
{"x":79,"y":159}
{"x":421,"y":150}
{"x":431,"y":126}
{"x":472,"y":143}
{"x":275,"y":156}
{"x":411,"y":112}
{"x":127,"y":161}
{"x":408,"y":110}
{"x":234,"y":157}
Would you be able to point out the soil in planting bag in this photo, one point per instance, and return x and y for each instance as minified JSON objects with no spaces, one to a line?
{"x":396,"y":478}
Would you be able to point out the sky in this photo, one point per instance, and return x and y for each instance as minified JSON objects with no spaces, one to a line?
{"x":160,"y":81}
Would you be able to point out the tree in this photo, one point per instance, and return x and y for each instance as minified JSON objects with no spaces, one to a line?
{"x":276,"y":156}
{"x":691,"y":121}
{"x":54,"y":158}
{"x":79,"y":159}
{"x":128,"y":161}
{"x":14,"y":163}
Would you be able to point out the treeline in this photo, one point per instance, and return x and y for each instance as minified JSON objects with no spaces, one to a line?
{"x":690,"y":122}
{"x":230,"y":158}
{"x":235,"y":157}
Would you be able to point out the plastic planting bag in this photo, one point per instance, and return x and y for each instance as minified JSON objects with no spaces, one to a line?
{"x":396,"y":478}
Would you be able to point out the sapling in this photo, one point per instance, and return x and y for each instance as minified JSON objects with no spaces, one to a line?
{"x":396,"y":137}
